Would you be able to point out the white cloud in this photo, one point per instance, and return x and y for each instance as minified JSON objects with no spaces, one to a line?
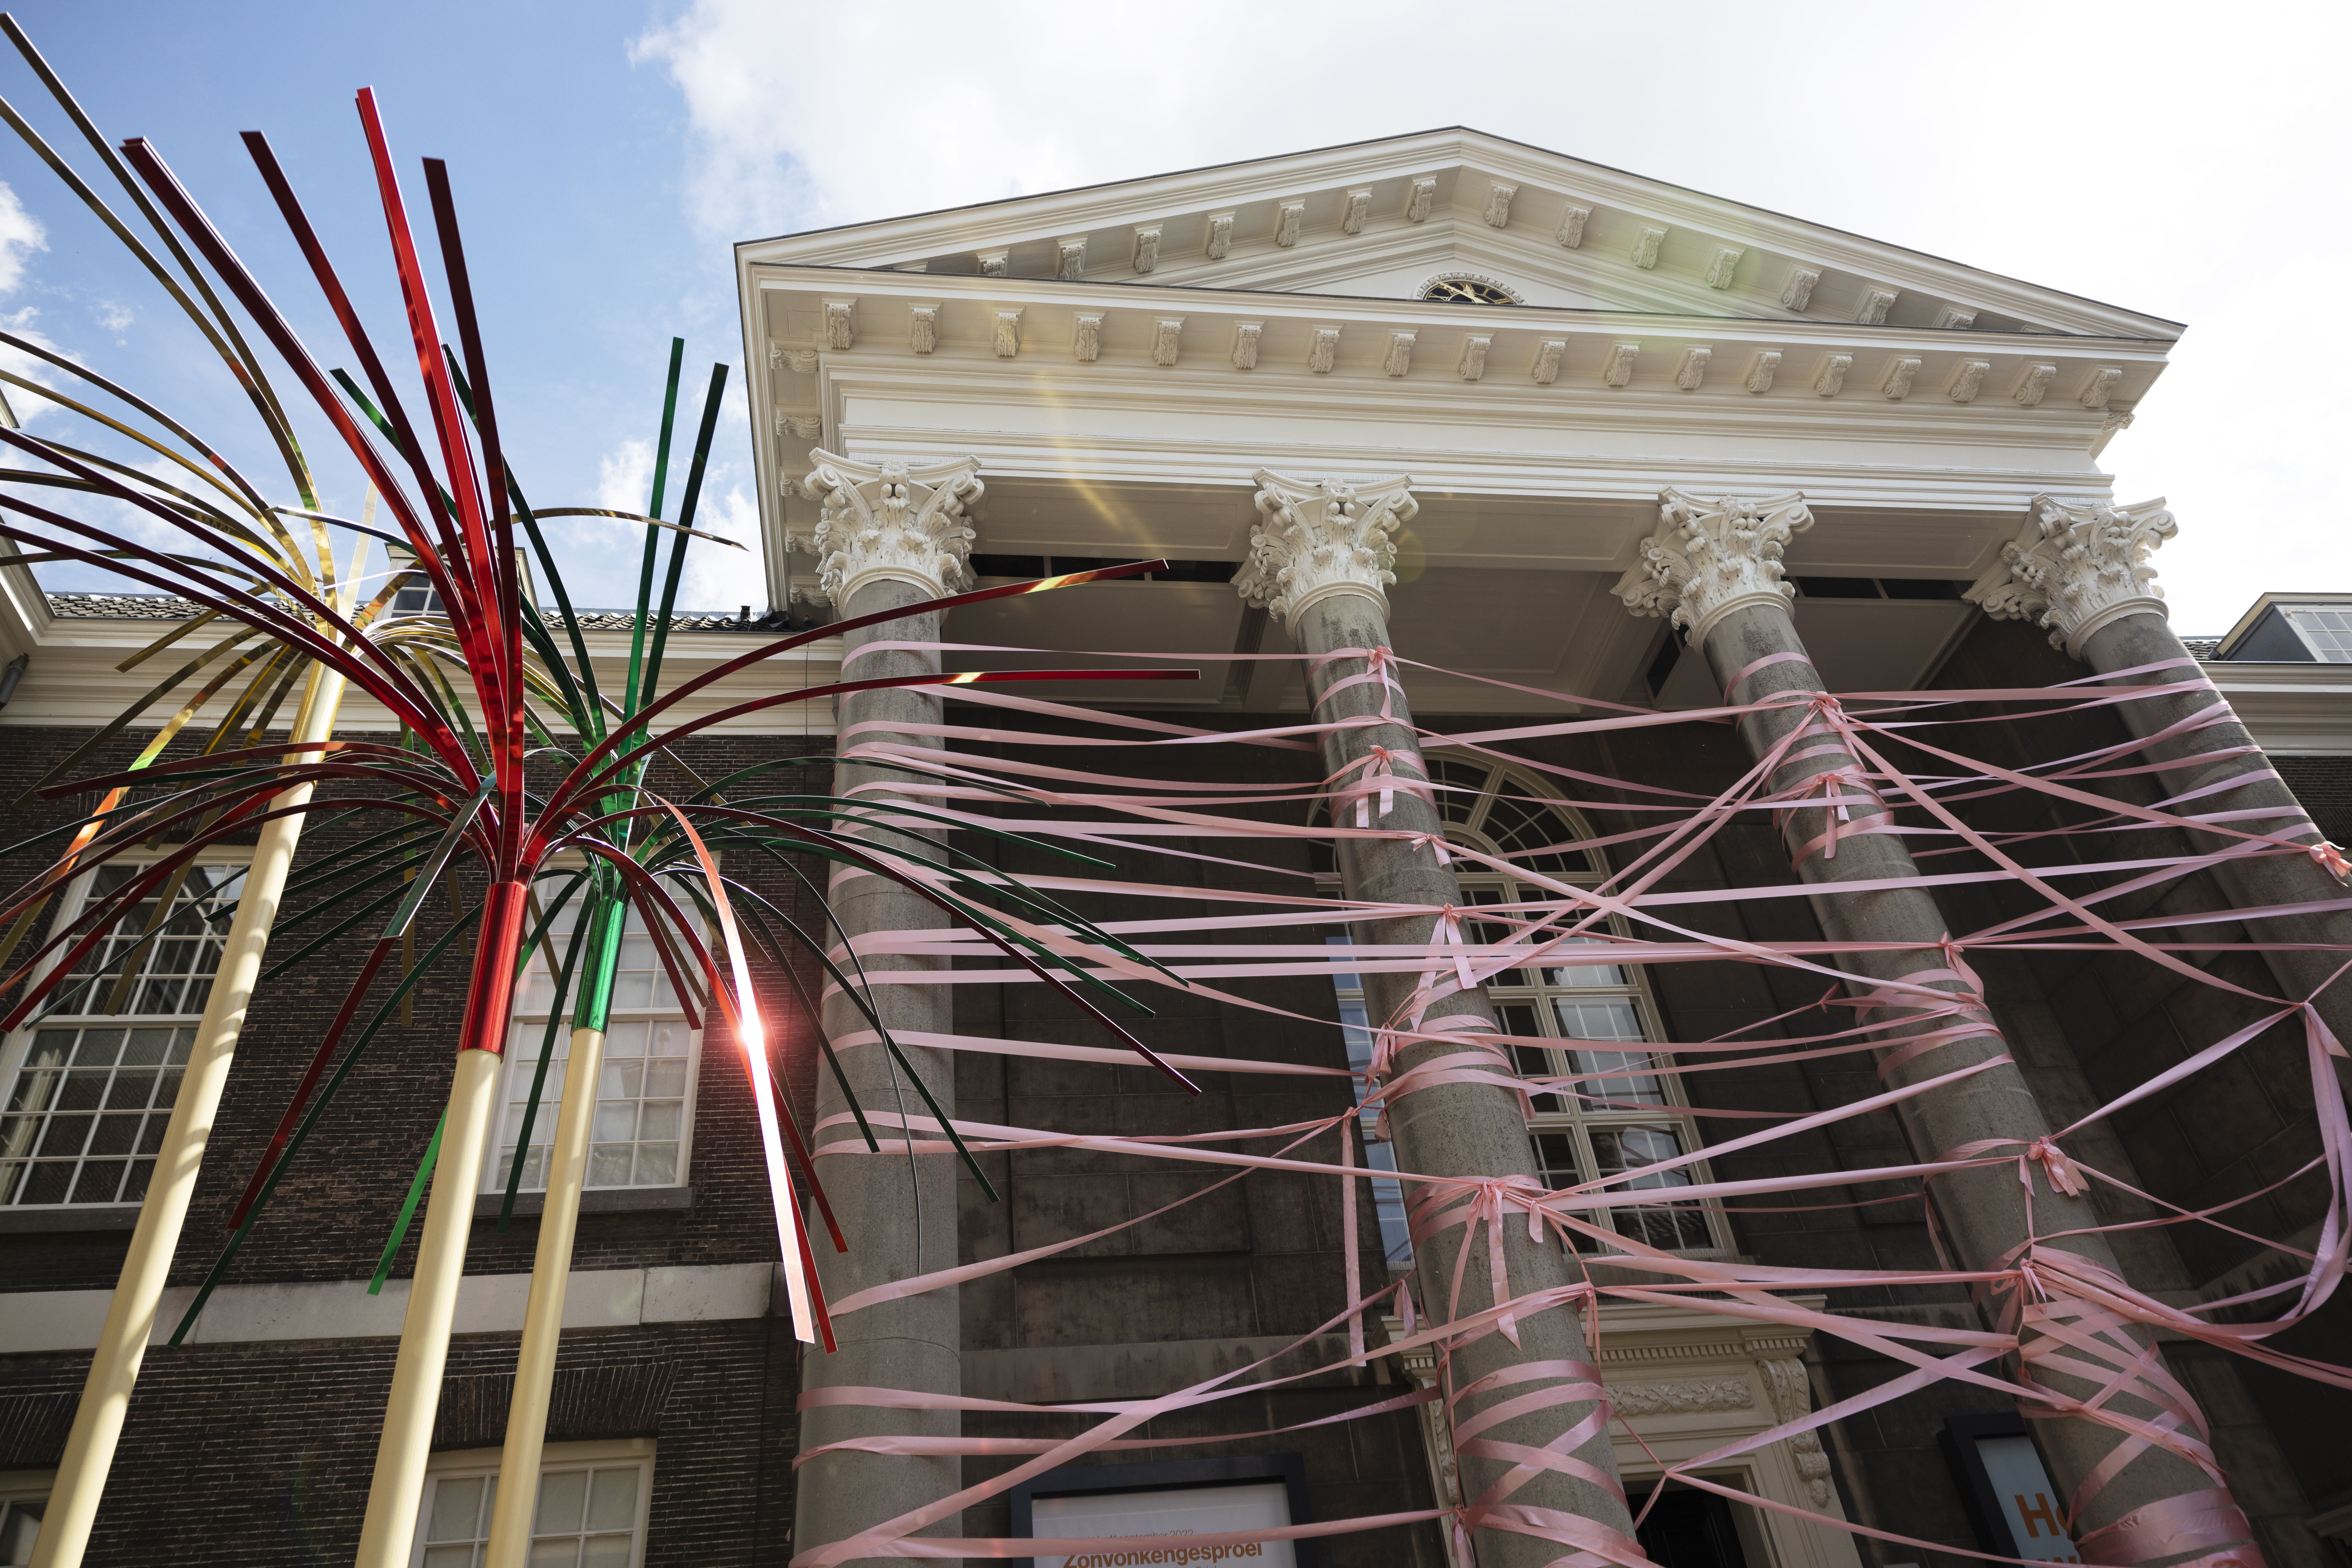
{"x":115,"y":319}
{"x":25,"y":405}
{"x":716,"y":577}
{"x":20,"y":234}
{"x":624,"y":478}
{"x":2176,"y":162}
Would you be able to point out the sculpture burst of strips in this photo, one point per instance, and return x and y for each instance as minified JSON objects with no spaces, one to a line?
{"x":510,"y":754}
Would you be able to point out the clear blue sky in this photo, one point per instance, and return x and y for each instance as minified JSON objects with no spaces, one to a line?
{"x":566,"y":160}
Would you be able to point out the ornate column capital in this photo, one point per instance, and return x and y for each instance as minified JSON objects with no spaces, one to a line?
{"x":1319,"y":537}
{"x":893,"y":519}
{"x":1710,"y":557}
{"x":2077,"y":565}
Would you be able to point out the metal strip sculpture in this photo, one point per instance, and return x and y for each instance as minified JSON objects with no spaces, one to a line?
{"x":485,"y":694}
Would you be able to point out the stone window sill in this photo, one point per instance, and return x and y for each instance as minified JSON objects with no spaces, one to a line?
{"x":33,"y":1220}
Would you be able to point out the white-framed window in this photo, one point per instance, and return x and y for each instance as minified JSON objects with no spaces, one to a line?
{"x":2326,"y":631}
{"x":592,"y":1502}
{"x":644,"y":1134}
{"x":23,"y":1495}
{"x":1617,"y":1114}
{"x":91,"y":1083}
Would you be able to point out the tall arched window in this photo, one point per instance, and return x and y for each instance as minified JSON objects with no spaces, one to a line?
{"x":1617,"y":1114}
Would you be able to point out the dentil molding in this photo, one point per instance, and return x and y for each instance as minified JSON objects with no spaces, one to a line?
{"x":2075,"y":566}
{"x":1316,"y":538}
{"x":893,"y":519}
{"x":1711,"y":557}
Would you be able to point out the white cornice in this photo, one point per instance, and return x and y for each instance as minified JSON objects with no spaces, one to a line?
{"x":1465,"y":163}
{"x":2290,"y":709}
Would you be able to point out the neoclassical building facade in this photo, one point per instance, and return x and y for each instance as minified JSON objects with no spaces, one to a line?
{"x":1546,"y":431}
{"x":1438,"y":440}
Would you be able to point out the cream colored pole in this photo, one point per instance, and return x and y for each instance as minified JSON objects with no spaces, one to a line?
{"x":131,"y":1316}
{"x":407,"y":1440}
{"x":543,"y":1322}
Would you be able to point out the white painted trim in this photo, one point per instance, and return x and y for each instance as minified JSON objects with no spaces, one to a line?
{"x":37,"y":1322}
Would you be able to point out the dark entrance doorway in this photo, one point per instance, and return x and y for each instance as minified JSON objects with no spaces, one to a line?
{"x":1691,"y":1529}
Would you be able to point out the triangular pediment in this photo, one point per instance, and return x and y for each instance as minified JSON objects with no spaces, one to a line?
{"x":1386,"y":219}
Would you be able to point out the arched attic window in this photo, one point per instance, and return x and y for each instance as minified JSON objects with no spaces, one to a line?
{"x":1598,"y":1126}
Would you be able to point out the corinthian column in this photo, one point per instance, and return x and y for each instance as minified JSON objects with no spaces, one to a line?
{"x":2082,"y":570}
{"x":891,"y":535}
{"x":1318,"y":559}
{"x":1713,"y":568}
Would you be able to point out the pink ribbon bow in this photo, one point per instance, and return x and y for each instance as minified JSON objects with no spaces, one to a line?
{"x":2064,"y":1174}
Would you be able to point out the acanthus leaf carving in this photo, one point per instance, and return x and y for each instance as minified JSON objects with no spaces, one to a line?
{"x":1086,"y":342}
{"x":1968,"y":380}
{"x":1147,"y":247}
{"x":1762,"y":369}
{"x":2033,"y":382}
{"x":1245,"y":340}
{"x":1617,"y":369}
{"x":1791,"y":1393}
{"x":1646,"y":247}
{"x":2100,"y":387}
{"x":1546,"y":369}
{"x":1324,"y":352}
{"x":1288,"y":219}
{"x":1956,"y":318}
{"x":1474,"y":356}
{"x":1358,"y":207}
{"x":1724,"y":266}
{"x":1830,"y":379}
{"x":992,"y":263}
{"x":1681,"y":1398}
{"x":892,"y":520}
{"x":1707,"y":556}
{"x":1398,"y":361}
{"x":1221,"y":236}
{"x":1900,"y":371}
{"x":1691,"y":372}
{"x":1070,"y":258}
{"x":923,"y":327}
{"x":1316,"y":538}
{"x":1798,"y":292}
{"x":1166,"y":333}
{"x":1004,"y":335}
{"x":1571,"y":226}
{"x":1875,"y":303}
{"x":2077,"y":565}
{"x":1498,"y":212}
{"x":1419,"y":198}
{"x":840,"y":323}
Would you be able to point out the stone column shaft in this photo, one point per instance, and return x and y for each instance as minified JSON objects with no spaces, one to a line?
{"x":1714,"y":567}
{"x":1318,"y":560}
{"x":889,"y":538}
{"x":2083,"y":572}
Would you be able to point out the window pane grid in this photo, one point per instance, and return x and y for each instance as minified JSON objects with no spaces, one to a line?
{"x":1614,"y":1115}
{"x":644,"y":1092}
{"x":173,"y":972}
{"x":2328,"y":633}
{"x":88,"y":1094}
{"x":639,"y":1135}
{"x":586,"y":1518}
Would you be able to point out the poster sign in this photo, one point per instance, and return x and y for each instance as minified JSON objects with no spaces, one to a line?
{"x":2031,"y":1507}
{"x":1189,"y":1510}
